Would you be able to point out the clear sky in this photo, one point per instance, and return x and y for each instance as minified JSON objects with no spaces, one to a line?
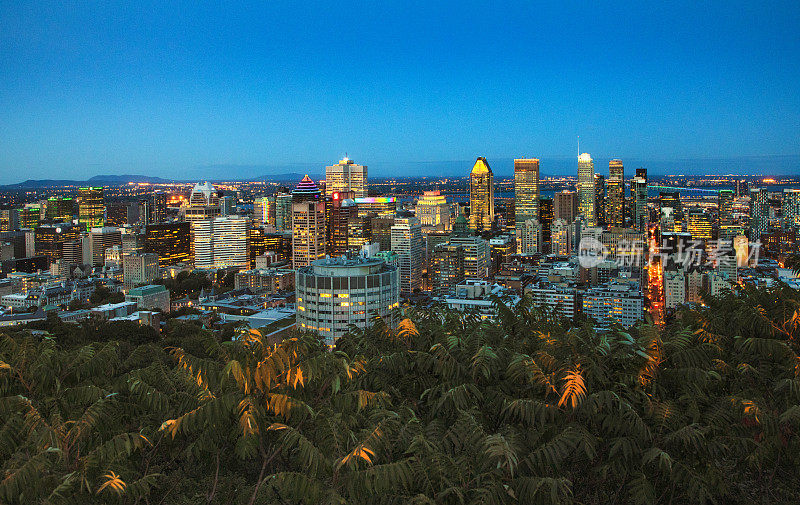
{"x":170,"y":89}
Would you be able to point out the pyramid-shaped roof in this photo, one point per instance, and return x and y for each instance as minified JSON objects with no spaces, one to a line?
{"x":306,"y":187}
{"x":481,"y":166}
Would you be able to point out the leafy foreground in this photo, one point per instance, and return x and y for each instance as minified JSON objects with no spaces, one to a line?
{"x":443,"y":409}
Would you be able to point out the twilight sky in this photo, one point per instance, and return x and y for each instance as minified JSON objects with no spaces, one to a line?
{"x":176,"y":90}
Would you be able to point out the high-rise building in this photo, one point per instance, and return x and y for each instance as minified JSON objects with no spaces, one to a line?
{"x":759,"y":212}
{"x":526,"y":190}
{"x":615,"y":189}
{"x":346,"y":176}
{"x":698,"y":224}
{"x":481,"y":196}
{"x":308,"y":224}
{"x":671,"y":211}
{"x":221,"y":242}
{"x":91,"y":208}
{"x":530,"y":239}
{"x":256,"y":244}
{"x":60,"y":209}
{"x":477,"y":256}
{"x":561,"y":239}
{"x":30,"y":216}
{"x":340,"y":209}
{"x":791,"y":208}
{"x":50,"y":239}
{"x":600,"y":200}
{"x":203,"y":203}
{"x":432,"y":210}
{"x":407,"y":242}
{"x":546,"y":216}
{"x":9,"y":220}
{"x":640,"y":214}
{"x":139,"y":269}
{"x":264,"y":211}
{"x":447,"y":269}
{"x":378,"y":205}
{"x":334,"y":293}
{"x":170,"y":241}
{"x":102,"y":238}
{"x":725,"y":209}
{"x":159,"y":211}
{"x":742,"y":187}
{"x":586,"y":189}
{"x":283,"y":210}
{"x":614,"y":303}
{"x":382,"y":231}
{"x":565,"y":205}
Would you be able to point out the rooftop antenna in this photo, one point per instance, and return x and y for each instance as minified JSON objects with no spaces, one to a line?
{"x":579,"y":145}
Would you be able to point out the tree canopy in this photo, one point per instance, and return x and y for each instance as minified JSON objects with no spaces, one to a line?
{"x":442,"y":407}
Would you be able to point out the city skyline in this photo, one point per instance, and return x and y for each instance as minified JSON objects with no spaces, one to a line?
{"x":161,"y":90}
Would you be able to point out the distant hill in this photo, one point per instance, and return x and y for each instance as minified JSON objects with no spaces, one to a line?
{"x":294,"y":177}
{"x":106,"y":180}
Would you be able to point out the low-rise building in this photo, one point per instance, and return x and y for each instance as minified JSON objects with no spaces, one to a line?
{"x":615,"y":303}
{"x":151,"y":297}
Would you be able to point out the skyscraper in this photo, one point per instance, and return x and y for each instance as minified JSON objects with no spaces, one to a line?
{"x":600,"y":200}
{"x":264,"y":211}
{"x":481,"y":196}
{"x":203,"y":203}
{"x":91,"y":209}
{"x":759,"y":212}
{"x":221,"y":242}
{"x":170,"y":241}
{"x":308,"y":224}
{"x":565,"y":205}
{"x":526,"y":190}
{"x":407,"y":242}
{"x":159,"y":212}
{"x":529,"y":237}
{"x":725,"y":209}
{"x":615,"y":189}
{"x":791,"y":208}
{"x":586,"y":188}
{"x":640,"y":214}
{"x":698,"y":224}
{"x":671,"y":211}
{"x":283,"y":210}
{"x":447,"y":269}
{"x":339,"y":210}
{"x":433,"y":211}
{"x":346,"y":176}
{"x":546,"y":215}
{"x":477,"y":256}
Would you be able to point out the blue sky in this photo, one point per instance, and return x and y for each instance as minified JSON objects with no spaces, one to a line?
{"x":170,"y":89}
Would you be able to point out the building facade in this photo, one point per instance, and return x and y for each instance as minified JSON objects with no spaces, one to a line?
{"x":481,"y":196}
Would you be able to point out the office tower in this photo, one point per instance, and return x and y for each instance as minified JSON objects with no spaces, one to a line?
{"x":50,"y":239}
{"x":526,"y":190}
{"x":18,"y":241}
{"x":671,"y":211}
{"x":170,"y":241}
{"x":378,"y":205}
{"x":477,"y":256}
{"x":346,"y":176}
{"x":530,"y":239}
{"x":334,"y":293}
{"x":640,"y":214}
{"x":382,"y":231}
{"x":256,"y":244}
{"x":759,"y":212}
{"x":599,"y":200}
{"x":159,"y":210}
{"x":283,"y":210}
{"x":227,"y":205}
{"x":264,"y":211}
{"x":72,"y":253}
{"x":308,"y":224}
{"x":117,"y":214}
{"x":339,"y":210}
{"x":501,"y":248}
{"x":279,"y":243}
{"x":725,"y":209}
{"x":481,"y":197}
{"x":698,"y":224}
{"x":9,"y":220}
{"x":447,"y":269}
{"x":133,"y":242}
{"x":741,"y":188}
{"x":359,"y":233}
{"x":546,"y":215}
{"x":615,"y":189}
{"x":586,"y":189}
{"x":60,"y":209}
{"x":30,"y":216}
{"x":561,"y":243}
{"x":791,"y":208}
{"x":433,"y":239}
{"x":91,"y":209}
{"x":407,"y":242}
{"x":203,"y":204}
{"x":221,"y":242}
{"x":565,"y":205}
{"x":101,"y":239}
{"x":432,"y":211}
{"x":139,"y":269}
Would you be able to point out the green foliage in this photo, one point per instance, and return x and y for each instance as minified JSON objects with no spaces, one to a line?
{"x":442,"y":408}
